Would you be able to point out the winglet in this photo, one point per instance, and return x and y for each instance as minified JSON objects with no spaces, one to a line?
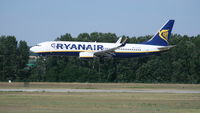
{"x":124,"y":42}
{"x":119,"y":40}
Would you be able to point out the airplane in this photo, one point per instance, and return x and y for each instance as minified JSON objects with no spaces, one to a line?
{"x":89,"y":50}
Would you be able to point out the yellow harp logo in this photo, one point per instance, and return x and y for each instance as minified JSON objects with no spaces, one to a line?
{"x":164,"y":34}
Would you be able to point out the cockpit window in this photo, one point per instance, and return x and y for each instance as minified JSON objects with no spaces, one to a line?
{"x":37,"y":45}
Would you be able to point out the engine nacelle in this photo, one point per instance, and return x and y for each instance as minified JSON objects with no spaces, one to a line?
{"x":86,"y":55}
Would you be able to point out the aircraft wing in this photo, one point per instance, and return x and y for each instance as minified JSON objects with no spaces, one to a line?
{"x":110,"y":52}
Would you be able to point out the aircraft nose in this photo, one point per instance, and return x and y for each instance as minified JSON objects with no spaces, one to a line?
{"x":33,"y":49}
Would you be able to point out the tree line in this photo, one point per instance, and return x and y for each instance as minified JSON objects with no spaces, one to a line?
{"x":13,"y":59}
{"x":181,"y":64}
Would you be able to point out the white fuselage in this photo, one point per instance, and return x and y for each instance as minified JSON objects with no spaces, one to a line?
{"x":74,"y":48}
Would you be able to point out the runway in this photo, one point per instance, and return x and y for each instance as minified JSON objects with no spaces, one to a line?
{"x":104,"y":90}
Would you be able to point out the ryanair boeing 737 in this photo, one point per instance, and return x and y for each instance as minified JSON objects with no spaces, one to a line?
{"x":158,"y":43}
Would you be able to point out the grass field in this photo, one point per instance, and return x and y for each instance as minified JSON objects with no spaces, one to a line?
{"x":35,"y":102}
{"x":5,"y":85}
{"x":44,"y":102}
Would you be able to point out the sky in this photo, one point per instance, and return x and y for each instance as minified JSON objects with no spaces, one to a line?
{"x":36,"y":21}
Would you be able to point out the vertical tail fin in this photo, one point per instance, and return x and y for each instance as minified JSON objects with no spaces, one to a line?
{"x":162,"y":36}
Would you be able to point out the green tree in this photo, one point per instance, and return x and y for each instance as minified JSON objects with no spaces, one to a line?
{"x":8,"y":54}
{"x":23,"y":56}
{"x":66,"y":37}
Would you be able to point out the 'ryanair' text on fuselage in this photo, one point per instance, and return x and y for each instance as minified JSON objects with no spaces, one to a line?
{"x":76,"y":46}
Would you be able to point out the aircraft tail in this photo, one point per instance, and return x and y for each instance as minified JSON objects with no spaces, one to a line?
{"x":162,"y":36}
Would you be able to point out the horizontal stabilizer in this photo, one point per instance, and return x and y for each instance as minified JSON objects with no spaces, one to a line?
{"x":166,"y":47}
